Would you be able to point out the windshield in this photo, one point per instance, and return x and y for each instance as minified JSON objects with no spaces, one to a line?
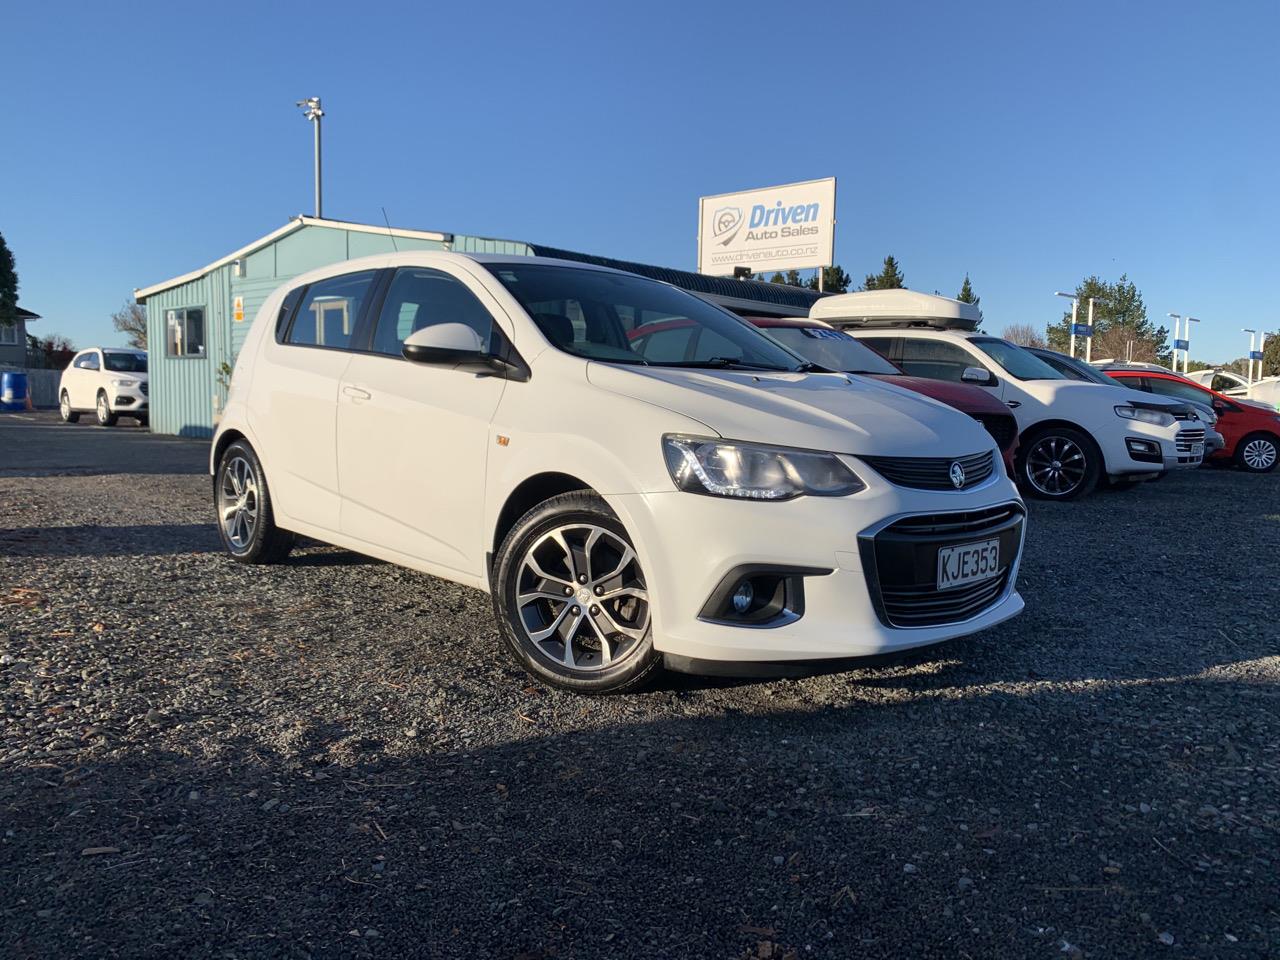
{"x":833,"y":349}
{"x":125,"y":362}
{"x":1075,"y":369}
{"x":1018,"y":362}
{"x":621,"y":318}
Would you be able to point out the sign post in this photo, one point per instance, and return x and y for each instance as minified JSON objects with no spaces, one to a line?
{"x":788,"y":227}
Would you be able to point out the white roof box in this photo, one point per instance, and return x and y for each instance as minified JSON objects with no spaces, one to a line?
{"x":896,"y":308}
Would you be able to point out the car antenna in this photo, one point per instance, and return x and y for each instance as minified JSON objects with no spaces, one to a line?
{"x":389,"y":233}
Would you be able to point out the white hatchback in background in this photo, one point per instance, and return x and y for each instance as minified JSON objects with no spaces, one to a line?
{"x":1072,"y":433}
{"x":720,"y":507}
{"x":1264,"y":392}
{"x":109,"y":382}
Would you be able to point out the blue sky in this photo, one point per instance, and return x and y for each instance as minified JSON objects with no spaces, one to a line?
{"x":1027,"y":144}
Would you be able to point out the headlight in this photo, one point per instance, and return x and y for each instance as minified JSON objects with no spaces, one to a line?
{"x":1146,"y":416}
{"x":727,"y":468}
{"x":124,"y":383}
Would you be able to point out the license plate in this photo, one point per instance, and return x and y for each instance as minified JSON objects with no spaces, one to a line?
{"x":1197,"y":449}
{"x":967,"y":563}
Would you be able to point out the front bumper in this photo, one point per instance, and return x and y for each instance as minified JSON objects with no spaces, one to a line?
{"x":127,"y":400}
{"x":689,"y":543}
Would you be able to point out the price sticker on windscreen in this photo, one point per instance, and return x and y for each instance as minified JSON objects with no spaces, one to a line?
{"x":238,"y":310}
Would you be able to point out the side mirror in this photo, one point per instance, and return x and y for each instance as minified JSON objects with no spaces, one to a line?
{"x":1220,"y":406}
{"x":978,"y":376}
{"x":458,"y":347}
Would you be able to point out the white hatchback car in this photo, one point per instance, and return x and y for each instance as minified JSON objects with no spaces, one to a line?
{"x":109,"y":382}
{"x":1073,"y":434}
{"x":714,"y":503}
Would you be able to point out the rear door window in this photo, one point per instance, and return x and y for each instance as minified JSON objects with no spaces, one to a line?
{"x":330,"y":311}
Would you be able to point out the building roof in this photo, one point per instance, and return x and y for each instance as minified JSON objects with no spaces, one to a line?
{"x":297,"y":223}
{"x":25,"y":314}
{"x":744,"y":293}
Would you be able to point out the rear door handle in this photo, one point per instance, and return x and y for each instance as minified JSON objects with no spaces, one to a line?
{"x":1013,"y":404}
{"x":355,"y":393}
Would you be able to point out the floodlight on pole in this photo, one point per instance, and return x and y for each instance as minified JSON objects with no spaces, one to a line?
{"x":311,"y":110}
{"x":1075,"y":306}
{"x":1088,"y":342}
{"x":1186,"y":355}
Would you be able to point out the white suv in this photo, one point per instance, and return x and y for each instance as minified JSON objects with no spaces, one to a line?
{"x":106,"y":381}
{"x":706,"y":499}
{"x":1072,"y":433}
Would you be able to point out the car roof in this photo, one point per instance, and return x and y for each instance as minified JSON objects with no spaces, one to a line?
{"x":789,"y":322}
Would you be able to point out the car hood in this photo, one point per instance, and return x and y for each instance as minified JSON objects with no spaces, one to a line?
{"x":962,"y":396}
{"x":818,"y":411}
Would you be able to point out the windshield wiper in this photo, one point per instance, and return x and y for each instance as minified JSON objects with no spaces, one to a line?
{"x":724,"y":363}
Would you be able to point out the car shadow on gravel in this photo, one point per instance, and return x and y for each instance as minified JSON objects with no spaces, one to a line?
{"x":1101,"y":817}
{"x":93,"y":540}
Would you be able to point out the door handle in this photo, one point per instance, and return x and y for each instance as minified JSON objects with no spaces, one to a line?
{"x":355,"y":393}
{"x":1013,"y":404}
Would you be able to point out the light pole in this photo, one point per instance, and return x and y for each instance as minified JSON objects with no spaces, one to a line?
{"x":1177,"y":317}
{"x":311,"y":110}
{"x":1075,"y":306}
{"x":1249,"y":375}
{"x":1088,"y":343}
{"x":1186,"y":354}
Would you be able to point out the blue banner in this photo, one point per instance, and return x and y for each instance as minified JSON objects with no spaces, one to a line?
{"x":1255,"y":354}
{"x":1181,"y":345}
{"x":1081,"y":330}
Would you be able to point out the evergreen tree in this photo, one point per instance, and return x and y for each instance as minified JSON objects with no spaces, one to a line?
{"x":1271,"y":355}
{"x":834,"y":280}
{"x":1119,"y":319}
{"x":889,"y":278}
{"x":791,"y":278}
{"x":8,"y":286}
{"x":966,"y":294}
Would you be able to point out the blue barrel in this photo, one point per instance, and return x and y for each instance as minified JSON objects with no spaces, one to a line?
{"x":13,"y":390}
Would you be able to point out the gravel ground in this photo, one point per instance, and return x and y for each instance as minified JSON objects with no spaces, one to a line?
{"x":331,"y":759}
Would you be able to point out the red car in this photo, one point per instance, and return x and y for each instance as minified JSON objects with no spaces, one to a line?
{"x":834,"y":349}
{"x":1251,"y":433}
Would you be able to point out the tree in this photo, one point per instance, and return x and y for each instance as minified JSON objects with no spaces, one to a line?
{"x":889,"y":278}
{"x":966,"y":294}
{"x":834,"y":280}
{"x":131,"y":320}
{"x":1120,"y":325}
{"x":8,"y":286}
{"x":55,"y":351}
{"x":1271,"y":355}
{"x":1023,"y":334}
{"x":791,"y":278}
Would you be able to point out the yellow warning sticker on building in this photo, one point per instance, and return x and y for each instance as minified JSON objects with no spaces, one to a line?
{"x":238,"y":309}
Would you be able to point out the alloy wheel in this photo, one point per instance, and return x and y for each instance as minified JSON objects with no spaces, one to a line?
{"x":64,"y":406}
{"x":581,"y":597}
{"x":1259,"y":454}
{"x":1055,"y":466}
{"x":238,"y":503}
{"x":104,"y":411}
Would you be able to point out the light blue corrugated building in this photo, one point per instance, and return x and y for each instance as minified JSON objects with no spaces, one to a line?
{"x":196,"y":323}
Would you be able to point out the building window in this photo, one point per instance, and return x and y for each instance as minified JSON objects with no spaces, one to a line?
{"x":9,"y":334}
{"x":184,"y":332}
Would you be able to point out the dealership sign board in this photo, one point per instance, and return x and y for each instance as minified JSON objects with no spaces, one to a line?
{"x":790,"y":227}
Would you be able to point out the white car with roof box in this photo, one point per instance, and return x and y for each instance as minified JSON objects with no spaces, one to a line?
{"x":1264,"y":392}
{"x":1073,"y":433}
{"x":109,"y":382}
{"x":487,"y":420}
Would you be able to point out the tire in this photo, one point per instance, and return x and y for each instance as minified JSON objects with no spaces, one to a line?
{"x":573,"y":632}
{"x":103,"y":410}
{"x":64,"y":409}
{"x":242,"y":503}
{"x":1258,"y":453}
{"x":1049,"y":464}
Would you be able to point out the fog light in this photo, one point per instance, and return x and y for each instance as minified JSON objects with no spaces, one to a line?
{"x":743,"y":596}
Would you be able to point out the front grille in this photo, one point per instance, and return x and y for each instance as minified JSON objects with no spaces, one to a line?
{"x":900,"y":563}
{"x":933,"y":473}
{"x":1001,"y":426}
{"x":1186,"y":438}
{"x":144,"y":388}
